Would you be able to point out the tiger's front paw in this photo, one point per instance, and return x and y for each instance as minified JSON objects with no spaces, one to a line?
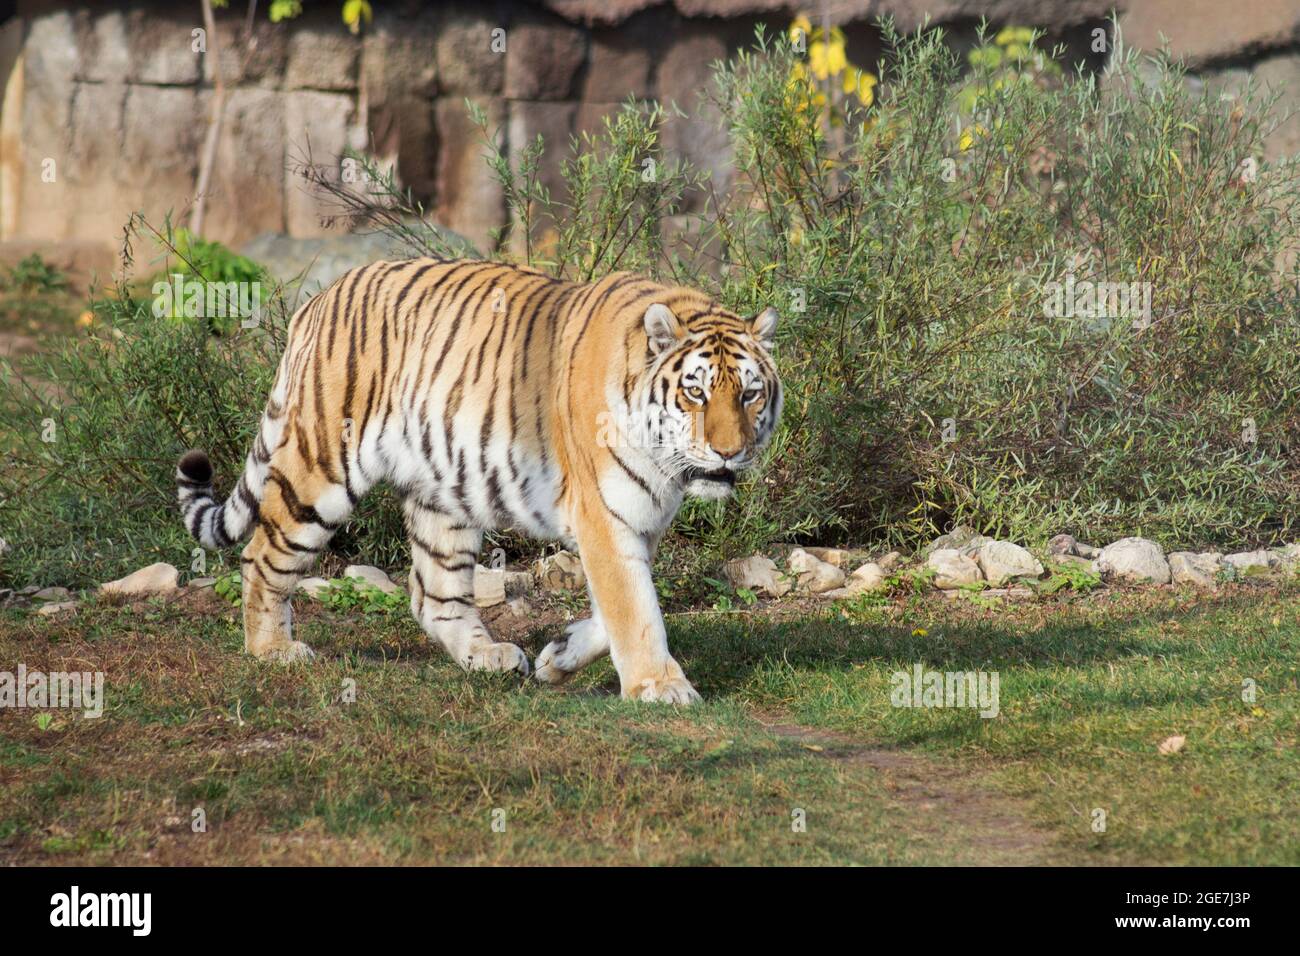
{"x":290,"y":652}
{"x":498,"y":657}
{"x":671,"y":690}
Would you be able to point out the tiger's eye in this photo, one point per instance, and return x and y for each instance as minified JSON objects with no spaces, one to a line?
{"x":695,"y":394}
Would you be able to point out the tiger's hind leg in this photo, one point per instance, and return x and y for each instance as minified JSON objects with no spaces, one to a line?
{"x":442,"y":591}
{"x":299,"y":513}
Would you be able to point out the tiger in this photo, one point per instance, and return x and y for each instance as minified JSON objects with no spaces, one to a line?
{"x":494,"y":396}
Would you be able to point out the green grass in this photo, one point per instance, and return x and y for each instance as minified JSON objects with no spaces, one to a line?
{"x":796,"y":717}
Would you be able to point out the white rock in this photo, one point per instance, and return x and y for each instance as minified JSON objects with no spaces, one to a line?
{"x":200,"y":583}
{"x":869,"y":577}
{"x":1134,"y":561}
{"x":52,"y":594}
{"x":157,"y":578}
{"x":561,"y":571}
{"x":489,"y":586}
{"x":952,"y":569}
{"x":1001,"y":561}
{"x":1198,"y":570}
{"x":1251,"y":560}
{"x":371,"y":575}
{"x":56,"y":607}
{"x":756,"y":573}
{"x":813,"y":573}
{"x":313,"y":587}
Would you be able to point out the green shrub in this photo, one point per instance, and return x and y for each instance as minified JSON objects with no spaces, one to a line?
{"x":914,"y":241}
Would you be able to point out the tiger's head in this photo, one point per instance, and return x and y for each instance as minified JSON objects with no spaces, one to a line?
{"x":716,"y":392}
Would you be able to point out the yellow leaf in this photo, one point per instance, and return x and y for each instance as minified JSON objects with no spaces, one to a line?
{"x":1177,"y":162}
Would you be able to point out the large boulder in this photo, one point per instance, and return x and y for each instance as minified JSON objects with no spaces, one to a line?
{"x":1002,"y":561}
{"x":866,"y":579}
{"x":1246,"y":561}
{"x":1134,"y":561}
{"x":1198,"y":570}
{"x":953,"y":569}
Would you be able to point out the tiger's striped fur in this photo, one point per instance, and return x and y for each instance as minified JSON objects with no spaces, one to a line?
{"x":491,"y":396}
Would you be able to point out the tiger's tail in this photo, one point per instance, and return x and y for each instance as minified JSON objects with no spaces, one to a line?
{"x":219,"y":524}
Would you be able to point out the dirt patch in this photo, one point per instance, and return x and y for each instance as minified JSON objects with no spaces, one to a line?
{"x":941,"y":798}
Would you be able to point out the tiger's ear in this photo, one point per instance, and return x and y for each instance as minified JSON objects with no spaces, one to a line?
{"x":662,"y":327}
{"x":763,"y":326}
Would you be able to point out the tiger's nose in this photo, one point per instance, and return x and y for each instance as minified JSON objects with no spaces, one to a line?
{"x":728,"y":453}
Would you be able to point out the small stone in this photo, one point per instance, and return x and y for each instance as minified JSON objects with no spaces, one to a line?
{"x":952,"y":569}
{"x":756,"y":573}
{"x":201,"y":582}
{"x":371,"y":575}
{"x":1001,"y":561}
{"x":1288,"y":556}
{"x":313,"y":587}
{"x":1061,"y":544}
{"x":561,"y":571}
{"x":1251,"y":560}
{"x":814,"y":574}
{"x":1076,"y":561}
{"x":1134,"y":561}
{"x":519,"y":607}
{"x":1198,"y":570}
{"x":56,"y":607}
{"x":52,"y":594}
{"x":1066,"y":544}
{"x":889,"y":561}
{"x":518,"y":583}
{"x":157,"y":578}
{"x":489,"y":586}
{"x":870,"y":577}
{"x":834,"y":556}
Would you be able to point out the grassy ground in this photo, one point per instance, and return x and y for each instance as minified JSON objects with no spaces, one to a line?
{"x":430,"y":765}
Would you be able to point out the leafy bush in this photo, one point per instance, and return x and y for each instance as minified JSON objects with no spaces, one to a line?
{"x":921,"y":250}
{"x":921,"y":237}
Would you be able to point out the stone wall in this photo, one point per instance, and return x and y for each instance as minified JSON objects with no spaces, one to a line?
{"x":110,"y":100}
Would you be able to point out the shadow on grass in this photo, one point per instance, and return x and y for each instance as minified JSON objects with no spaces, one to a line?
{"x":720,"y":653}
